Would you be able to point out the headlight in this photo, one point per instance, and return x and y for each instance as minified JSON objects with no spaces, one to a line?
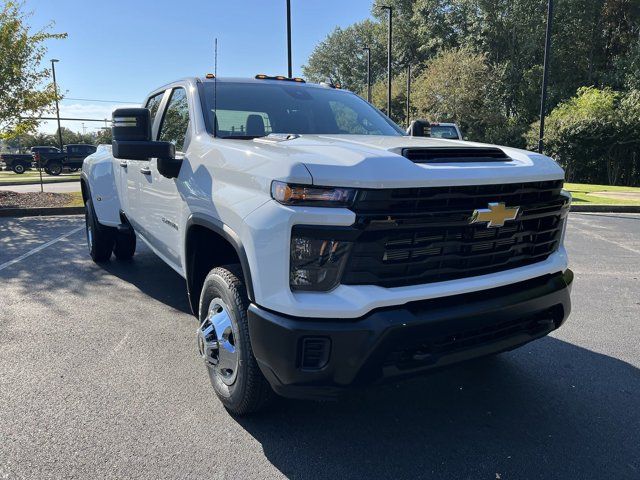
{"x":289,"y":194}
{"x":316,"y":264}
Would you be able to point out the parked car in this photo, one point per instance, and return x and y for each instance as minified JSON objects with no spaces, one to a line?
{"x":20,"y":163}
{"x":423,"y":128}
{"x":70,"y":158}
{"x":322,"y":248}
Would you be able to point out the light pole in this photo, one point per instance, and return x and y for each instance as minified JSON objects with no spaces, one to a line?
{"x":408,"y":94}
{"x":55,"y":87}
{"x":390,"y":10}
{"x":290,"y":70}
{"x":545,"y":74}
{"x":368,"y":50}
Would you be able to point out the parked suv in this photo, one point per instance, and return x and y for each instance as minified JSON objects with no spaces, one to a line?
{"x":20,"y":163}
{"x":70,"y":158}
{"x":321,"y":247}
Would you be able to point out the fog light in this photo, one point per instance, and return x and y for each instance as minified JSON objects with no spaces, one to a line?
{"x":316,"y":264}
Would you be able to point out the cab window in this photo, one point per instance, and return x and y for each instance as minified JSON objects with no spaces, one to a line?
{"x":153,"y":104}
{"x":175,"y":123}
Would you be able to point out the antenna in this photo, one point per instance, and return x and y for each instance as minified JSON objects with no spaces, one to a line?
{"x":215,"y":85}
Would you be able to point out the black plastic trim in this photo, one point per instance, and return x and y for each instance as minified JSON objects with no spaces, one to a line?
{"x":361,"y":347}
{"x":228,"y":234}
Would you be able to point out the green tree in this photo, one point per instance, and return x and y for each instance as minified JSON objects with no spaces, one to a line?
{"x":595,"y":136}
{"x":104,"y":137}
{"x":24,"y":92}
{"x":340,"y":58}
{"x":457,"y":86}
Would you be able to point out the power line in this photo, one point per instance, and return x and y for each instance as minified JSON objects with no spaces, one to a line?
{"x":98,"y":100}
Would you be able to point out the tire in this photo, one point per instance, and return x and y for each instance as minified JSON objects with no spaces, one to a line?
{"x":18,"y":168}
{"x":125,"y":245}
{"x":47,"y":171}
{"x":73,"y":170}
{"x":100,"y":239}
{"x":244,"y":390}
{"x":55,"y":168}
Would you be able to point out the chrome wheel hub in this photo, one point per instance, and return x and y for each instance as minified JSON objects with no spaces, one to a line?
{"x":89,"y":237}
{"x":217,"y":342}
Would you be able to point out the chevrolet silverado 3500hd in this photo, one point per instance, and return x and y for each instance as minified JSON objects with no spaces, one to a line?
{"x":323,"y":248}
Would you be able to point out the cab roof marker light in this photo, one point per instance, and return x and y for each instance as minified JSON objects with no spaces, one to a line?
{"x":262,"y":76}
{"x":210,"y":75}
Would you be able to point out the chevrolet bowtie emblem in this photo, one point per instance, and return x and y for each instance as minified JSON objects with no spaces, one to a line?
{"x":495,"y":215}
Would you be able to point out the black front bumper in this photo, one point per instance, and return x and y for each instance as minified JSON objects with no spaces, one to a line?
{"x":320,"y":358}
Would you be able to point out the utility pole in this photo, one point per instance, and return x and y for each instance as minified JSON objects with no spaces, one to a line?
{"x":84,"y":129}
{"x":290,"y":70}
{"x":545,"y":74}
{"x":368,"y":50}
{"x":55,"y":87}
{"x":408,"y":94}
{"x":390,"y":10}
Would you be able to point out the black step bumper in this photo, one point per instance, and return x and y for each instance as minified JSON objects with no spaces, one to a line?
{"x":320,"y":358}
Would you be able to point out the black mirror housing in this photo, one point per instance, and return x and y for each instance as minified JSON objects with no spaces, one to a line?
{"x":419,"y":128}
{"x":169,"y":167}
{"x":131,"y":124}
{"x":142,"y":150}
{"x":132,"y":136}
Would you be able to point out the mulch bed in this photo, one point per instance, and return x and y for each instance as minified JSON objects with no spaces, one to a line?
{"x":34,"y":199}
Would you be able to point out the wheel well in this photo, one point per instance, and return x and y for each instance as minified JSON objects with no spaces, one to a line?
{"x":205,"y":249}
{"x":85,"y":191}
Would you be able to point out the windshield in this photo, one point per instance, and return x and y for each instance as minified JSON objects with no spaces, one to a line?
{"x":444,"y":131}
{"x":250,"y":110}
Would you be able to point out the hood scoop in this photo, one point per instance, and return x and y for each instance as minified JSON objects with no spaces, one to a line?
{"x":455,"y":154}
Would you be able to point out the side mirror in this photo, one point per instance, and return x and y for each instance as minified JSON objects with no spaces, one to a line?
{"x":131,"y":132}
{"x":419,"y":128}
{"x":169,"y":167}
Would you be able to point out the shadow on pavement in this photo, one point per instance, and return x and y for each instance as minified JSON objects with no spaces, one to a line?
{"x":548,"y":410}
{"x":153,"y":278}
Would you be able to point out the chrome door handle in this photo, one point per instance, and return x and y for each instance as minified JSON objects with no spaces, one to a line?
{"x":124,"y":164}
{"x":145,"y":171}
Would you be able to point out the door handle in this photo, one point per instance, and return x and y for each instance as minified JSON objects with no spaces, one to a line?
{"x":124,"y":164}
{"x":145,"y":171}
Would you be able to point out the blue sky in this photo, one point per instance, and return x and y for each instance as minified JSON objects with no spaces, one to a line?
{"x":121,"y":49}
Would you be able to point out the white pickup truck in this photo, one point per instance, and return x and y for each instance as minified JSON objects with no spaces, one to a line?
{"x":322,"y":248}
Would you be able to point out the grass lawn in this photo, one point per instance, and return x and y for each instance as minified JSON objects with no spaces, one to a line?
{"x":32,"y":176}
{"x":76,"y":200}
{"x":584,"y":193}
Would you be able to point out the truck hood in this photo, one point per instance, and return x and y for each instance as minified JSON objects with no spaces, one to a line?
{"x":372,"y":161}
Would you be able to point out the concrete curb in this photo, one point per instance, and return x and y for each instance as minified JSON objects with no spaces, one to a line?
{"x":40,"y":212}
{"x":605,"y":208}
{"x":17,"y":184}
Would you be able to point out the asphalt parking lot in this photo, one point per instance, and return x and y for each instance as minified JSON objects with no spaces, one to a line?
{"x":100,"y":378}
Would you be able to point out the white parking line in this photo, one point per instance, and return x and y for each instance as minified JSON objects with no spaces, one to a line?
{"x":40,"y":248}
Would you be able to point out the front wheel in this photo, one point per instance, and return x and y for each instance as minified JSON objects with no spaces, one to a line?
{"x":100,"y":239}
{"x":224,"y":344}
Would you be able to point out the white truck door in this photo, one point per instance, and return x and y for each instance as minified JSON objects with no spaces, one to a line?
{"x":131,"y":170}
{"x":160,"y":201}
